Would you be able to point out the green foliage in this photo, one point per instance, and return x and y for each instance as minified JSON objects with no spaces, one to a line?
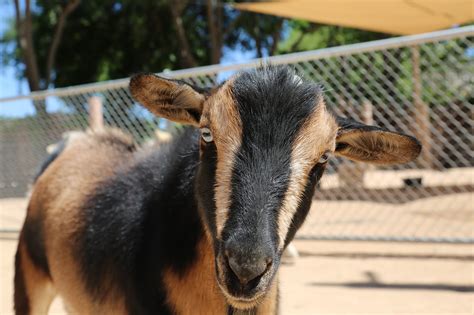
{"x":110,"y":39}
{"x":383,"y":77}
{"x":257,"y":32}
{"x":308,"y":36}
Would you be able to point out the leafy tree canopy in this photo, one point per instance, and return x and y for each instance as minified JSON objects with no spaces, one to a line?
{"x":110,"y":39}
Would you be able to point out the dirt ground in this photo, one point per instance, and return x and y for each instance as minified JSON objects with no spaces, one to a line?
{"x":332,"y":277}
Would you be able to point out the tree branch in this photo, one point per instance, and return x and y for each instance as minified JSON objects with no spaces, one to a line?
{"x":68,"y":9}
{"x":17,"y":14}
{"x":215,"y":33}
{"x":276,"y":38}
{"x":28,"y":54}
{"x":25,"y":41}
{"x":187,"y":57}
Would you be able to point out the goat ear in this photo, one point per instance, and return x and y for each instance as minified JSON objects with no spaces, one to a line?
{"x":360,"y":142}
{"x":171,"y":99}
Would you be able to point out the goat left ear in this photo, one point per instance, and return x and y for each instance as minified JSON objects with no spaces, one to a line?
{"x":364,"y":143}
{"x":171,"y":99}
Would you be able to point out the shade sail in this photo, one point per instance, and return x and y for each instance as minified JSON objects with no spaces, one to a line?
{"x":386,"y":16}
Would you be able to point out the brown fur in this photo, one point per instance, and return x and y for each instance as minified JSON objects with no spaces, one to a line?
{"x":270,"y":304}
{"x":89,"y":160}
{"x":36,"y":290}
{"x":196,"y":292}
{"x":166,"y":98}
{"x":378,"y":147}
{"x":226,"y":128}
{"x":320,"y":123}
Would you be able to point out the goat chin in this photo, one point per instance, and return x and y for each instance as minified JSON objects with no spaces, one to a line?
{"x":243,"y":304}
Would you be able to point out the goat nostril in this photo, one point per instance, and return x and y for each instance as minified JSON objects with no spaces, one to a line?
{"x":269,"y":262}
{"x":246,"y":270}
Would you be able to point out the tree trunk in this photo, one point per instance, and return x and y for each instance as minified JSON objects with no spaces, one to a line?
{"x":214,"y":18}
{"x":275,"y":38}
{"x":25,"y":42}
{"x":258,"y":42}
{"x":187,"y":58}
{"x":40,"y":108}
{"x":58,"y":33}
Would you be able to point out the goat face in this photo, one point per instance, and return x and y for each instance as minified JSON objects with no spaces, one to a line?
{"x":266,"y":136}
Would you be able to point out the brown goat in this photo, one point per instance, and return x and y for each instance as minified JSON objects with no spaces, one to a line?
{"x":199,"y":225}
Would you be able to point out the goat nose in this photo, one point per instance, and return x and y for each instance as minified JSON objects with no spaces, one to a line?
{"x":248,"y":268}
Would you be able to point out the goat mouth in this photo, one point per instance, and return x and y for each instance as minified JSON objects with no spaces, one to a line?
{"x":238,"y":295}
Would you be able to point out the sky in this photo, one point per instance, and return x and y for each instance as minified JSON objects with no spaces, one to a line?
{"x":9,"y":84}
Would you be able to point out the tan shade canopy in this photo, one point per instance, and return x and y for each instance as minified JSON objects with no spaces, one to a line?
{"x":386,"y":16}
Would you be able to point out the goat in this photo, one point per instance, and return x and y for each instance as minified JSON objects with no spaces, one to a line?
{"x":197,"y":226}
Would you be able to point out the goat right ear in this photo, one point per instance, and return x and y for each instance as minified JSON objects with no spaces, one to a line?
{"x":372,"y":144}
{"x":171,"y":99}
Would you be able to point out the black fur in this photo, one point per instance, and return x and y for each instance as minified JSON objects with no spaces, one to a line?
{"x":141,"y":222}
{"x":33,"y":231}
{"x":273,"y":105}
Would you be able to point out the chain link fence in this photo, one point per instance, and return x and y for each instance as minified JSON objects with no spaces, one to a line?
{"x":422,"y":85}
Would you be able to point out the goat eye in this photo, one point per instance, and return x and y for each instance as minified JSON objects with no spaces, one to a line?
{"x":324,"y":158}
{"x":206,"y":135}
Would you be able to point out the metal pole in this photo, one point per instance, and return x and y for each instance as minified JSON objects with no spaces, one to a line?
{"x":422,"y":111}
{"x":368,"y":119}
{"x":367,"y":112}
{"x":96,"y":119}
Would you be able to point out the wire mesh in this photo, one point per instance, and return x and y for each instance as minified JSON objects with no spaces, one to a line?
{"x":421,"y":85}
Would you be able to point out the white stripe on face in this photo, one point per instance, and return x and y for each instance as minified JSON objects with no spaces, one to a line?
{"x":226,"y":126}
{"x":316,"y":136}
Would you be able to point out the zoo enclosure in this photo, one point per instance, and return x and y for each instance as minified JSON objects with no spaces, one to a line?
{"x":422,"y":85}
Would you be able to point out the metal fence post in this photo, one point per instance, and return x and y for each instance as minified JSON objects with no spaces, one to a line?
{"x":367,"y":112}
{"x":422,"y":111}
{"x":96,"y":118}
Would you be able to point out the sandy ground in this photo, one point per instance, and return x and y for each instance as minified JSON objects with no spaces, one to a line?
{"x":335,"y":277}
{"x":375,"y":178}
{"x":448,"y":216}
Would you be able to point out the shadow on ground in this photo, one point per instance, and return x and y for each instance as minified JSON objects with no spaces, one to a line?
{"x":360,"y":255}
{"x":374,"y":283}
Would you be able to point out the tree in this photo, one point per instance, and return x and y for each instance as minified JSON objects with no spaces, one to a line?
{"x":214,"y":19}
{"x":188,"y":60}
{"x":96,"y":40}
{"x":37,"y":79}
{"x":257,"y":32}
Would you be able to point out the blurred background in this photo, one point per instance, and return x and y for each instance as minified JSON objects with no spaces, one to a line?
{"x":404,"y":234}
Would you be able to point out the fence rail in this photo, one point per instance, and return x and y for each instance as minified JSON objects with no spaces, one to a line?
{"x":421,"y":84}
